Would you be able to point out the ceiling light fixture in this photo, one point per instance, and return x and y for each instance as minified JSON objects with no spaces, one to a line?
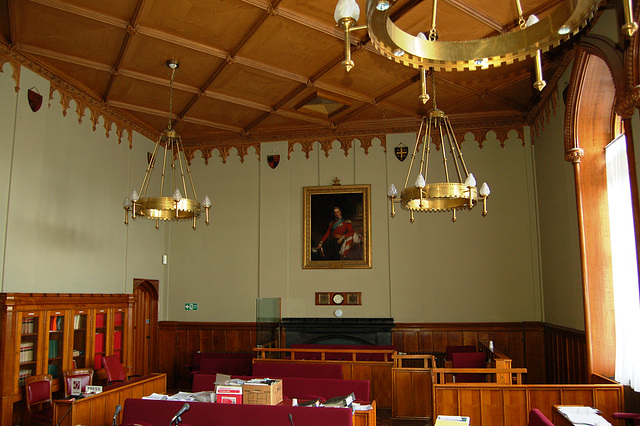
{"x":173,"y":206}
{"x":530,"y":40}
{"x":443,"y":196}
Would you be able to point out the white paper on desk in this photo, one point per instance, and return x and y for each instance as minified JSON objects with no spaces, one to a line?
{"x":182,"y":396}
{"x":362,"y":407}
{"x":451,"y":420}
{"x":583,"y":416}
{"x":155,"y":396}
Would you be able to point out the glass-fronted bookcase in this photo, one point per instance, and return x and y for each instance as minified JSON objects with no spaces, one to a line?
{"x":51,"y":333}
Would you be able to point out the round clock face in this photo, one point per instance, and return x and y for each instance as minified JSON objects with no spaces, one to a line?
{"x":337,"y":312}
{"x":338,"y":298}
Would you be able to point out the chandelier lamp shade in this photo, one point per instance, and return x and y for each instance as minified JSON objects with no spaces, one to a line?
{"x":446,"y":195}
{"x":169,"y":203}
{"x":530,"y":39}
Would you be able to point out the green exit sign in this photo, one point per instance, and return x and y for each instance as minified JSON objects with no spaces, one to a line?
{"x":190,"y":306}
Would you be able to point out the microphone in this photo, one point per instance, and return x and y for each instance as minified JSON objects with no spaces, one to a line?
{"x":184,"y":408}
{"x":115,"y":415}
{"x":291,"y":419}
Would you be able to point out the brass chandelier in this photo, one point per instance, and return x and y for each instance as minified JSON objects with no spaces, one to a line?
{"x":449,"y":195}
{"x":425,"y":52}
{"x":172,"y":206}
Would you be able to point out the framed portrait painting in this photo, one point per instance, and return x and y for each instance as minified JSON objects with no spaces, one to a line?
{"x":337,"y":227}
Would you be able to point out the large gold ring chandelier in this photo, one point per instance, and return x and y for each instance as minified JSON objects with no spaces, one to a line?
{"x":169,"y":204}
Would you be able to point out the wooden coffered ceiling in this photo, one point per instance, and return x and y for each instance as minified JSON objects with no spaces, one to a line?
{"x":257,"y":70}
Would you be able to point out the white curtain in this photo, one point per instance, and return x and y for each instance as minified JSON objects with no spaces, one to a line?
{"x":625,"y":268}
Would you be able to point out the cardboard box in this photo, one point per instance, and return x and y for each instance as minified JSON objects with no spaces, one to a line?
{"x":228,"y":394}
{"x":257,"y":393}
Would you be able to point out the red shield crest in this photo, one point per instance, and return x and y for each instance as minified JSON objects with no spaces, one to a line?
{"x":273,"y":160}
{"x":35,"y":99}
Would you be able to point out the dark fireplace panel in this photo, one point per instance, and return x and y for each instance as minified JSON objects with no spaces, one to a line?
{"x":338,"y":331}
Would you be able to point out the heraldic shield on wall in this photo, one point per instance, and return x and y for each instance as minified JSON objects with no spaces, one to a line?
{"x":337,"y":227}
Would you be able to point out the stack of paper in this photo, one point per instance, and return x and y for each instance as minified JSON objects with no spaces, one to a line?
{"x":451,"y":421}
{"x":583,"y":416}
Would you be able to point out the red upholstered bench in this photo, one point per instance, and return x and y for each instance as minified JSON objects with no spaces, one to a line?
{"x":154,"y":412}
{"x":301,"y":388}
{"x":286,"y":369}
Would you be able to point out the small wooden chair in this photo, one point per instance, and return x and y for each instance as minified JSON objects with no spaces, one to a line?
{"x":38,"y":390}
{"x":84,"y":374}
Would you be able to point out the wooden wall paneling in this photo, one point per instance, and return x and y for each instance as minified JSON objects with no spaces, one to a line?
{"x":206,"y":341}
{"x":446,"y":402}
{"x":425,"y":341}
{"x":574,"y":396}
{"x":534,"y":354}
{"x":167,"y":358}
{"x":611,"y":401}
{"x":412,"y":393}
{"x":544,"y":399}
{"x":516,"y":407}
{"x":440,"y":341}
{"x":470,"y":404}
{"x":193,"y":340}
{"x":470,"y":338}
{"x":516,"y":348}
{"x":493,"y":409}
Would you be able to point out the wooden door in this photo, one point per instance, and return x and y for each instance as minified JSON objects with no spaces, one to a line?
{"x":145,"y":326}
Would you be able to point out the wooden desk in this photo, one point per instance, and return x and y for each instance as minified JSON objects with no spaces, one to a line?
{"x":98,"y":410}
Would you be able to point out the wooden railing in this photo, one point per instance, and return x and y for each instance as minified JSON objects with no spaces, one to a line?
{"x":492,"y":374}
{"x":494,"y":404}
{"x":295,"y":354}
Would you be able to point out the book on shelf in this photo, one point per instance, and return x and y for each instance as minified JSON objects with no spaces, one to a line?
{"x":23,"y":374}
{"x":117,"y":340}
{"x":26,"y":351}
{"x":78,"y":322}
{"x":53,"y":370}
{"x":118,"y":319}
{"x":100,"y":320}
{"x":28,"y":325}
{"x":99,"y":340}
{"x":56,"y":323}
{"x":53,"y":348}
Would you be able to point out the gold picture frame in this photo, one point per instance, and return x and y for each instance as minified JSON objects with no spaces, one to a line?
{"x":337,"y":227}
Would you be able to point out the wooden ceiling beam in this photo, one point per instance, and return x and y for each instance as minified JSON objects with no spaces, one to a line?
{"x":124,"y":47}
{"x":11,"y":9}
{"x":85,"y":13}
{"x":475,"y":14}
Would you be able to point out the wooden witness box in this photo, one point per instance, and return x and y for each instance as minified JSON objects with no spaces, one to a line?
{"x":98,"y":409}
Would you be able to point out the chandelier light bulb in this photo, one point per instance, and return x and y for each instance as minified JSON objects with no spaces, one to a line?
{"x":532,"y":20}
{"x":470,"y":181}
{"x":206,"y":202}
{"x":484,"y":190}
{"x":134,"y":196}
{"x":177,"y":196}
{"x":420,"y":182}
{"x":383,"y":5}
{"x":393,"y":192}
{"x":126,"y":203}
{"x":346,"y":9}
